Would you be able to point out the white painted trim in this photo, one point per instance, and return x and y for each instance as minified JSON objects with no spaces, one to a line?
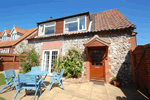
{"x":78,"y":20}
{"x":50,"y":59}
{"x":3,"y":32}
{"x":12,"y":30}
{"x":9,"y":50}
{"x":44,"y":26}
{"x":15,"y":35}
{"x":90,"y":24}
{"x":4,"y":37}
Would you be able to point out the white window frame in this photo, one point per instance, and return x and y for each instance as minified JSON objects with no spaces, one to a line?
{"x":78,"y":20}
{"x":4,"y":51}
{"x":50,"y":59}
{"x":4,"y":38}
{"x":44,"y":26}
{"x":1,"y":50}
{"x":13,"y":36}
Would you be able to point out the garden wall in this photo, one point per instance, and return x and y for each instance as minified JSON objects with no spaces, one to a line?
{"x":9,"y":61}
{"x":140,"y":64}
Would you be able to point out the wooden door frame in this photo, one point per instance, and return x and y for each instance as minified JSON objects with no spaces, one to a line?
{"x":96,"y":41}
{"x":105,"y":58}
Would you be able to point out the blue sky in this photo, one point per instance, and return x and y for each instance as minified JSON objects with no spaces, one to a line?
{"x":25,"y":13}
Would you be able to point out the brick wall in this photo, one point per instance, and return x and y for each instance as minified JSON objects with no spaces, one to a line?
{"x":59,"y":26}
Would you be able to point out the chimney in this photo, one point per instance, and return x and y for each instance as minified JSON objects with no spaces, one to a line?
{"x":50,"y":18}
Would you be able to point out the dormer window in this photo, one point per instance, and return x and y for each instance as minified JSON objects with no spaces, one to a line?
{"x":75,"y":24}
{"x":47,"y":29}
{"x":13,"y":35}
{"x":4,"y":37}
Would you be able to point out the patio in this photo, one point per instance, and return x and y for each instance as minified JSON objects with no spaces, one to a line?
{"x":77,"y":91}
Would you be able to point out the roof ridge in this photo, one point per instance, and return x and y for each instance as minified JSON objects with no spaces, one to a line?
{"x":29,"y":30}
{"x":7,"y":29}
{"x":18,"y":27}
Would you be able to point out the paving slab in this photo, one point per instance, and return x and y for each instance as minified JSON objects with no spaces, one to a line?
{"x":83,"y":93}
{"x":77,"y":98}
{"x":62,"y":96}
{"x":98,"y":96}
{"x":76,"y":91}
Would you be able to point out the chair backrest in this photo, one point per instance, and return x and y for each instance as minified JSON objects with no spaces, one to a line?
{"x":37,"y":68}
{"x":9,"y":73}
{"x":25,"y":78}
{"x":61,"y":73}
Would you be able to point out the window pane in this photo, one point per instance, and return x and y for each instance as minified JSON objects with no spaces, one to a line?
{"x":41,"y":28}
{"x":49,"y":30}
{"x":71,"y":20}
{"x":82,"y":23}
{"x":54,"y":60}
{"x":46,"y":60}
{"x":49,"y":24}
{"x":71,"y":27}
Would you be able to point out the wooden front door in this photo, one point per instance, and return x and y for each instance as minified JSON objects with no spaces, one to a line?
{"x":97,"y":65}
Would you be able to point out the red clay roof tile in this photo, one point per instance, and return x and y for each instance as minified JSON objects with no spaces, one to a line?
{"x":101,"y":21}
{"x":19,"y":30}
{"x":111,"y":19}
{"x":7,"y":31}
{"x":1,"y":34}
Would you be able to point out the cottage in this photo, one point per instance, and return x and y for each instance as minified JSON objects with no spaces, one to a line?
{"x":103,"y":38}
{"x":11,"y":38}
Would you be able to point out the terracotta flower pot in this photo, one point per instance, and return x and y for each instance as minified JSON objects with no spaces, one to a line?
{"x":116,"y":83}
{"x":111,"y":82}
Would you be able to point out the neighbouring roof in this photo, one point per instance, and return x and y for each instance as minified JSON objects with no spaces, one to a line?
{"x":33,"y":35}
{"x":101,"y":21}
{"x":19,"y":30}
{"x":1,"y":34}
{"x":7,"y":31}
{"x":11,"y":43}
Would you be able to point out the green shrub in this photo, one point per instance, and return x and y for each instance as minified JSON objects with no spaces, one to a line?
{"x":0,"y":57}
{"x":58,"y":64}
{"x":29,"y":60}
{"x":114,"y":78}
{"x":73,"y":64}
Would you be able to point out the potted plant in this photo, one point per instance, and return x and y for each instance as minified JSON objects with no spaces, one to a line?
{"x":111,"y":82}
{"x":116,"y":82}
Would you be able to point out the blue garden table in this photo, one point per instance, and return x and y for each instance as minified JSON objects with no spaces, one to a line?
{"x":39,"y":73}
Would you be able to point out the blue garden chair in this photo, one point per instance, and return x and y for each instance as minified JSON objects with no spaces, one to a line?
{"x":26,"y":81}
{"x":38,"y":68}
{"x":57,"y":78}
{"x":10,"y":74}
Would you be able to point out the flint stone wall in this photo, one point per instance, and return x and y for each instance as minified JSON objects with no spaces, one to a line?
{"x":21,"y":47}
{"x":119,"y":47}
